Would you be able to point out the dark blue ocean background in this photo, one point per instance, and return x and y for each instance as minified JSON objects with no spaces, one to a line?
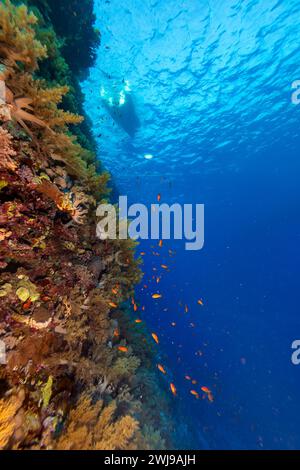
{"x":210,"y":100}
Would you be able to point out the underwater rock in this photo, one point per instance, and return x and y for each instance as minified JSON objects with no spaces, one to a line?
{"x":96,"y":268}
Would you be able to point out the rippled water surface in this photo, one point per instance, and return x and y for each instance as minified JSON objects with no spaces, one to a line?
{"x":210,"y":81}
{"x":209,"y":119}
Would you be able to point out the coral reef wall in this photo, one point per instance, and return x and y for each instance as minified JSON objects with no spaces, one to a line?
{"x":77,"y":369}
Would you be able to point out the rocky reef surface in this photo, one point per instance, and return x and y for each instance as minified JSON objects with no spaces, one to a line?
{"x":78,"y":371}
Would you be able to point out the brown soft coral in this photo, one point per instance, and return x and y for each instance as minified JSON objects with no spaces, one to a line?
{"x":6,"y":151}
{"x":72,"y":202}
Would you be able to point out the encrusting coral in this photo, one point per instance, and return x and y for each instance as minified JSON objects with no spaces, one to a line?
{"x":67,"y":382}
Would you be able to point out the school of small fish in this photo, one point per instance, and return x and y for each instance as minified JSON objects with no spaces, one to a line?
{"x":204,"y":391}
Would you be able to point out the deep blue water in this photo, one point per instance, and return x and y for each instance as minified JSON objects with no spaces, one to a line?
{"x":210,"y":100}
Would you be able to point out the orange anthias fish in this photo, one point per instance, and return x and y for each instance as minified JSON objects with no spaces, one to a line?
{"x":164,"y":266}
{"x":161,"y":369}
{"x":138,"y":320}
{"x":200,"y":302}
{"x":122,"y":349}
{"x":155,"y":337}
{"x":156,"y":296}
{"x":135,"y":307}
{"x":114,"y":291}
{"x":113,"y":305}
{"x":160,"y":243}
{"x":116,"y":333}
{"x":205,"y":390}
{"x":210,"y":397}
{"x":27,"y":305}
{"x":173,"y":389}
{"x":196,"y":394}
{"x":186,"y":309}
{"x":158,"y":197}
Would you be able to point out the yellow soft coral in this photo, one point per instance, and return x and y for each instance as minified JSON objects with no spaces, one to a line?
{"x":17,"y":36}
{"x":92,"y":427}
{"x":124,"y":367}
{"x":8,"y":410}
{"x":46,"y":101}
{"x":113,"y":435}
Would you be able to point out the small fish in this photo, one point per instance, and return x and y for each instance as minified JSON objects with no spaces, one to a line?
{"x":200,"y":302}
{"x":173,"y":389}
{"x":210,"y":397}
{"x":113,"y":305}
{"x":158,"y":197}
{"x":143,"y":253}
{"x":116,"y":333}
{"x":173,"y":324}
{"x":196,"y":394}
{"x":161,"y":369}
{"x":205,"y":390}
{"x":135,"y":307}
{"x":114,"y":291}
{"x":155,"y":337}
{"x":138,"y":320}
{"x":160,"y":244}
{"x":194,"y":382}
{"x":143,"y":308}
{"x":187,"y":377}
{"x":46,"y":298}
{"x":27,"y":305}
{"x":157,"y":280}
{"x":123,"y":349}
{"x":186,"y":309}
{"x":164,"y":266}
{"x":156,"y":296}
